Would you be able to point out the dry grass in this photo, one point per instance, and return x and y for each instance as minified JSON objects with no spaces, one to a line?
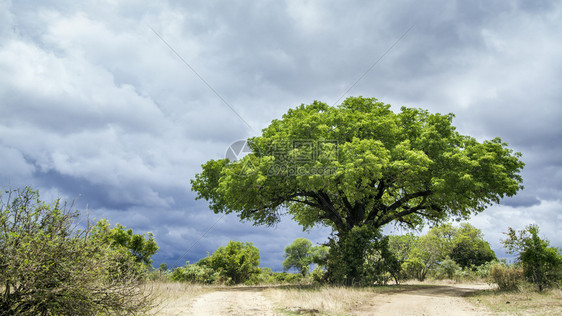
{"x":523,"y":302}
{"x":325,"y":300}
{"x":173,"y":297}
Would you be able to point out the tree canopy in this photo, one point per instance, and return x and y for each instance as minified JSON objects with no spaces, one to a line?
{"x":361,"y":164}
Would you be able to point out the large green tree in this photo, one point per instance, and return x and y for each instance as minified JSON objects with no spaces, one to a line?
{"x":361,"y":164}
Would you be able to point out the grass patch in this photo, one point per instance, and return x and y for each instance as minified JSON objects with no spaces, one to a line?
{"x":324,"y":300}
{"x":174,"y":297}
{"x":521,"y":302}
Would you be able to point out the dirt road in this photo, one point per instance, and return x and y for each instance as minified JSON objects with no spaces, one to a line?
{"x":420,"y":300}
{"x":234,"y":301}
{"x":426,"y":300}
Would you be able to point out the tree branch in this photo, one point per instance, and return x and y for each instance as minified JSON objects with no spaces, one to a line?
{"x":408,"y":197}
{"x":405,"y":212}
{"x":328,"y":207}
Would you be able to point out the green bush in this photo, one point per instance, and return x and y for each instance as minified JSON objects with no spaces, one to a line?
{"x":287,"y":278}
{"x":195,"y":274}
{"x":415,"y":268}
{"x":483,"y":271}
{"x":265,"y":276}
{"x":48,"y":267}
{"x":319,"y":275}
{"x":236,"y":263}
{"x":507,"y":278}
{"x":449,"y":268}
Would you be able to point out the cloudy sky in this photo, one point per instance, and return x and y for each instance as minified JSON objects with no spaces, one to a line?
{"x":97,"y":105}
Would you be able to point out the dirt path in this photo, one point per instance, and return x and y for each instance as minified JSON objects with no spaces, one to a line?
{"x":234,"y":301}
{"x":419,"y":300}
{"x":426,"y":300}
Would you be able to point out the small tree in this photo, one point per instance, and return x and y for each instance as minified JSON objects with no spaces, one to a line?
{"x":235,"y":263}
{"x":541,"y":263}
{"x":48,"y":267}
{"x":469,"y":247}
{"x":163,"y":267}
{"x":298,"y":255}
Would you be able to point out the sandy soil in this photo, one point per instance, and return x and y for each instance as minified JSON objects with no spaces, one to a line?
{"x":423,"y":300}
{"x":233,"y":301}
{"x":427,"y":300}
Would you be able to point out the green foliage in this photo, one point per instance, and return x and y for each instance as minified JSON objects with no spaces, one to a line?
{"x":320,"y":255}
{"x":415,"y":268}
{"x":298,"y":255}
{"x":507,"y":278}
{"x":48,"y":267}
{"x":195,"y":273}
{"x":301,"y":254}
{"x":450,"y":268}
{"x":541,"y":263}
{"x":287,"y":278}
{"x":141,"y":247}
{"x":319,"y":275}
{"x":402,"y":245}
{"x":483,"y":270}
{"x":265,"y":276}
{"x":236,"y":263}
{"x":426,"y":254}
{"x":361,"y":257}
{"x":364,"y":166}
{"x":469,"y":247}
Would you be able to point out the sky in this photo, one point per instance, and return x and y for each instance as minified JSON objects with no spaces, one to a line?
{"x":116,"y":104}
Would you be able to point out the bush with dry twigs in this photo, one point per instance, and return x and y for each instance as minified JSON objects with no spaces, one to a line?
{"x":50,"y":267}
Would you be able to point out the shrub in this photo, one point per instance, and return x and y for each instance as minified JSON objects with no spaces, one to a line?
{"x":319,"y":275}
{"x":415,"y":268}
{"x":264,"y":276}
{"x":483,"y":271}
{"x":195,"y":274}
{"x":236,"y":263}
{"x":449,"y":267}
{"x":48,"y":267}
{"x":507,"y":278}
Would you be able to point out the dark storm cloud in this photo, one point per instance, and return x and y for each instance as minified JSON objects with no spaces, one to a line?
{"x":94,"y":105}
